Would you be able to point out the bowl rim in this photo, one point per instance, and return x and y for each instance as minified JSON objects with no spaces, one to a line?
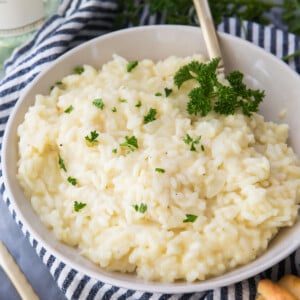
{"x":153,"y":287}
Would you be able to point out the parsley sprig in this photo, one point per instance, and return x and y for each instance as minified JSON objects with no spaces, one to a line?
{"x":192,"y":142}
{"x":150,"y":116}
{"x":131,"y":143}
{"x":92,"y":138}
{"x":79,"y":206}
{"x":211,"y":94}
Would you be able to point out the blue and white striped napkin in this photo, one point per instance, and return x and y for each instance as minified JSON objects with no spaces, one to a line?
{"x":76,"y":22}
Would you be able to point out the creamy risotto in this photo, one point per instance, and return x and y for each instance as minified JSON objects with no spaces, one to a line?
{"x":113,"y":163}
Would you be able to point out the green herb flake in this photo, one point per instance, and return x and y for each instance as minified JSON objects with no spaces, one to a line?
{"x":115,"y":150}
{"x":190,"y":218}
{"x":122,"y":100}
{"x":57,"y":83}
{"x":168,"y":92}
{"x":78,"y":70}
{"x":98,"y":102}
{"x":79,"y":206}
{"x":61,"y":163}
{"x":68,"y":109}
{"x":114,"y":109}
{"x":160,"y":170}
{"x":131,"y":143}
{"x":142,"y":208}
{"x":131,"y":65}
{"x":151,"y":116}
{"x":211,"y":94}
{"x":158,"y":94}
{"x":139,"y":104}
{"x":192,"y":142}
{"x":92,"y":138}
{"x":72,"y":180}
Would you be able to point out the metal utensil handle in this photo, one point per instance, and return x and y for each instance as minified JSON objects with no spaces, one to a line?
{"x":208,"y":30}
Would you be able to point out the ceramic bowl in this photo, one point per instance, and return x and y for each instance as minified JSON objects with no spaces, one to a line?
{"x":262,"y":70}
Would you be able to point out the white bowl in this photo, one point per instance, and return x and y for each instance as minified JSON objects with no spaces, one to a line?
{"x":262,"y":70}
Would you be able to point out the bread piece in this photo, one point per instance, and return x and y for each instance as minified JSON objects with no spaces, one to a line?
{"x":292,"y":284}
{"x":273,"y":291}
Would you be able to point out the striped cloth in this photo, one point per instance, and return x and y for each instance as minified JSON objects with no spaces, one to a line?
{"x":76,"y":22}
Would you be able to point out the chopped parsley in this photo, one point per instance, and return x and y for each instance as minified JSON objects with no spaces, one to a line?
{"x":79,"y":206}
{"x":168,"y":92}
{"x":69,"y":109}
{"x":160,"y":170}
{"x":122,"y":100}
{"x":57,"y":83}
{"x":78,"y":70}
{"x":142,"y":208}
{"x":211,"y":94}
{"x":92,"y":138}
{"x":114,"y":109}
{"x":158,"y":94}
{"x":131,"y":65}
{"x":72,"y":180}
{"x":115,"y":150}
{"x":151,"y":116}
{"x":192,"y":142}
{"x":61,"y":163}
{"x":98,"y":102}
{"x":139,"y":104}
{"x":190,"y":218}
{"x":131,"y":143}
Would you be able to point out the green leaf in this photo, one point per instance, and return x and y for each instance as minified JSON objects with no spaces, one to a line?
{"x":79,"y":206}
{"x":61,"y":163}
{"x":69,"y":109}
{"x":131,"y":143}
{"x":151,"y":116}
{"x":98,"y":103}
{"x":190,"y":218}
{"x":72,"y":180}
{"x":78,"y":70}
{"x":92,"y":138}
{"x":131,"y":66}
{"x":142,"y":208}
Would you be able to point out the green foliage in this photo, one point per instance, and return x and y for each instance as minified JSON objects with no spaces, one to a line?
{"x":182,"y":11}
{"x":211,"y":94}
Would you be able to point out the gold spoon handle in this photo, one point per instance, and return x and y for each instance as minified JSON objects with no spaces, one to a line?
{"x":208,"y":30}
{"x":16,"y":276}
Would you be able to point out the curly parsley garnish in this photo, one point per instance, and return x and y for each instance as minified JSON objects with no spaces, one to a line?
{"x":151,"y":116}
{"x":79,"y":206}
{"x":92,"y":138}
{"x":72,"y":180}
{"x":192,"y":142}
{"x":190,"y":218}
{"x":142,"y":208}
{"x":213,"y":95}
{"x":114,"y":109}
{"x":61,"y":163}
{"x":68,"y":109}
{"x":130,"y":66}
{"x":98,"y":103}
{"x":131,"y":143}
